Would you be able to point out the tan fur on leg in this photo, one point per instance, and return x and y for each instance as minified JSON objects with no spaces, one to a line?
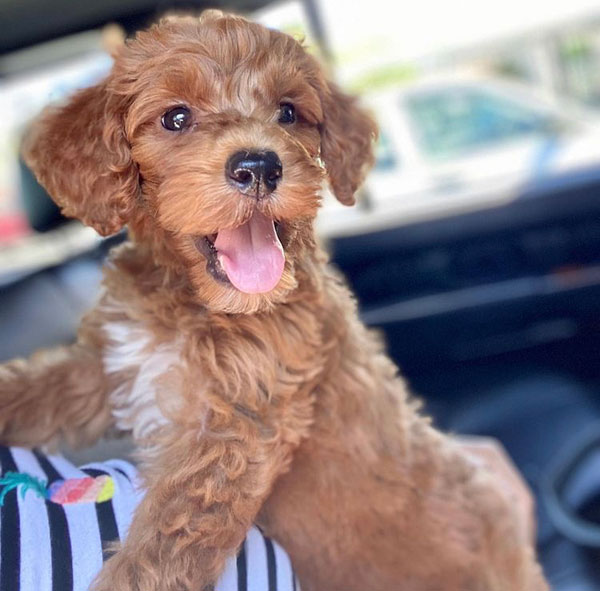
{"x":57,"y":394}
{"x":205,"y":489}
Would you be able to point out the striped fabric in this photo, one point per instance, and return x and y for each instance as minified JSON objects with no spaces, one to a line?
{"x":47,"y":546}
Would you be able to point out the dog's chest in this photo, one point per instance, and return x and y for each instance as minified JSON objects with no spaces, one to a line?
{"x":144,"y":372}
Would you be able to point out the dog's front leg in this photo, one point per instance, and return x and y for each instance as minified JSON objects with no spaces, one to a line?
{"x":205,"y":488}
{"x":57,"y":393}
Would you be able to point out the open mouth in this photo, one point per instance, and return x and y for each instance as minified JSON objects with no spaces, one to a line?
{"x":250,"y":257}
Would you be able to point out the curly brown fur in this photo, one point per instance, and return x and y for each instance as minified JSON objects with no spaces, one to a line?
{"x":278,"y":407}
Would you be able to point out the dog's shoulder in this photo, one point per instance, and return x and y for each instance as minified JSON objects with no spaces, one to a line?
{"x":143,"y":347}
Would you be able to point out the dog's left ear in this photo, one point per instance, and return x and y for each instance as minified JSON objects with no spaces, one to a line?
{"x":80,"y":154}
{"x":348,"y":133}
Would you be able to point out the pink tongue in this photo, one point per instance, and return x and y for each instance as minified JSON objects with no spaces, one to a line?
{"x":252,"y":255}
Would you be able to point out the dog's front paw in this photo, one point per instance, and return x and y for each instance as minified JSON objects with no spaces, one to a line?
{"x":124,"y":573}
{"x":131,"y":570}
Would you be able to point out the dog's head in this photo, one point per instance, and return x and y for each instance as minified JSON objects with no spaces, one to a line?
{"x":210,"y":138}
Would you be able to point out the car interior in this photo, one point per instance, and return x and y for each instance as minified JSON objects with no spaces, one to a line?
{"x":492,"y":315}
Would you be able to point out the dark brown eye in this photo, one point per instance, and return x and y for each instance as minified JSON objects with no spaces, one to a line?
{"x":287,"y":113}
{"x":176,"y":119}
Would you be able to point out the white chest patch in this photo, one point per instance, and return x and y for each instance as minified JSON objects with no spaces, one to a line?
{"x":135,"y":401}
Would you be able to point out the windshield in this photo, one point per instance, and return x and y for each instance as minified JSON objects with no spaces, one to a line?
{"x":454,"y":121}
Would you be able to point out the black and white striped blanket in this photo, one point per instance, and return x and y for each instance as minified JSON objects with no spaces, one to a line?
{"x":56,"y":519}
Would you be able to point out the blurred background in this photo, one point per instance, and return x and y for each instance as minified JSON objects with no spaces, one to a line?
{"x":475,"y":246}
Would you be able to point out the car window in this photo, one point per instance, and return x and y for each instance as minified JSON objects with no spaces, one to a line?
{"x":452,"y":122}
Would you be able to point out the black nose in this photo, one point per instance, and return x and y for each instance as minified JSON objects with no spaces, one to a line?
{"x":254,"y":172}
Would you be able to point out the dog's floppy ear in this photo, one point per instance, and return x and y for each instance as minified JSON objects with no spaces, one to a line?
{"x":347,"y":136}
{"x":80,"y":154}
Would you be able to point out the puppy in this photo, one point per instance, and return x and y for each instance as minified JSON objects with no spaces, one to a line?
{"x":224,"y":343}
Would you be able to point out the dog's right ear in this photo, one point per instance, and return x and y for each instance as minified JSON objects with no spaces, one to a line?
{"x":80,"y":154}
{"x":348,"y":134}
